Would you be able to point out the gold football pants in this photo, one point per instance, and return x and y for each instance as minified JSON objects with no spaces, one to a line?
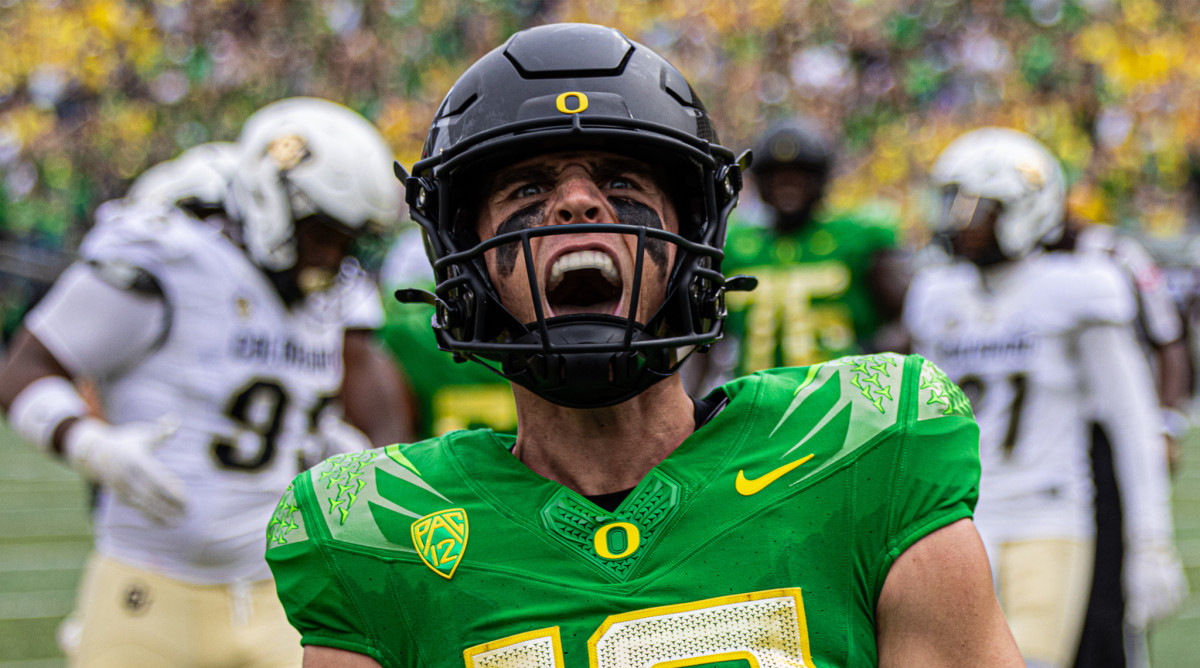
{"x":1043,"y":586}
{"x":131,"y":617}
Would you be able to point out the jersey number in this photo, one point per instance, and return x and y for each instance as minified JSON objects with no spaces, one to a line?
{"x":781,"y":314}
{"x":976,"y":390}
{"x":764,"y":628}
{"x":257,"y":410}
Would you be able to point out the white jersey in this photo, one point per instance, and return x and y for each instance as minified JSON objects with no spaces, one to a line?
{"x":245,"y":376}
{"x":1025,"y":348}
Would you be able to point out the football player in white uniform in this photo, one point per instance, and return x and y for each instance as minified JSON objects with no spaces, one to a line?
{"x":1036,"y":339}
{"x":217,"y":346}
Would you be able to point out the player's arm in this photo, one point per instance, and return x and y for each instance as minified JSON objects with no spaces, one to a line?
{"x":1174,"y":363}
{"x":1120,"y":384}
{"x":316,"y":656}
{"x":1175,"y":373}
{"x":85,"y":326}
{"x":373,"y":391}
{"x":1163,"y":326}
{"x":28,"y":362}
{"x":90,"y":323}
{"x":937,"y":607}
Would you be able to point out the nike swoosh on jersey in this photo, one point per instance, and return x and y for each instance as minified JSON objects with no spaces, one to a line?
{"x":747,"y":487}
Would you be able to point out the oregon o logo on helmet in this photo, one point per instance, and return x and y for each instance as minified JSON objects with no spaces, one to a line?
{"x":581,"y":102}
{"x":617,"y":540}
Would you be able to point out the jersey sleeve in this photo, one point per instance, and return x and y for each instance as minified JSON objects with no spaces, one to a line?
{"x":108,"y":311}
{"x":308,"y":580}
{"x":935,"y":475}
{"x":1159,"y":315}
{"x":1121,"y":389}
{"x":92,"y":326}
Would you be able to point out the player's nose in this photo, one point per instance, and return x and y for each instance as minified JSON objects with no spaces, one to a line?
{"x":579,"y":200}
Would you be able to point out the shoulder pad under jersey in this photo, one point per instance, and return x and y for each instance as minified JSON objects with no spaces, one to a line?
{"x":1091,"y":287}
{"x":848,"y":401}
{"x":938,"y":396}
{"x":368,"y":498}
{"x":143,"y":234}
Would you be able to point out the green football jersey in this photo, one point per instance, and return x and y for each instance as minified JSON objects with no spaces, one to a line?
{"x":812,"y":302}
{"x":764,"y":539}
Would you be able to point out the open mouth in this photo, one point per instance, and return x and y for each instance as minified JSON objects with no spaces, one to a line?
{"x":584,"y":281}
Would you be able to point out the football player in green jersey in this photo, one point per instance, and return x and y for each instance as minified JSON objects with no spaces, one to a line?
{"x":829,"y":282}
{"x":574,"y":196}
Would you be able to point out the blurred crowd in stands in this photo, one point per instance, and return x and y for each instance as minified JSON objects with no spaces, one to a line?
{"x":92,"y":92}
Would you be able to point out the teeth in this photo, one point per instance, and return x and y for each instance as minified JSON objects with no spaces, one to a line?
{"x":588,"y":259}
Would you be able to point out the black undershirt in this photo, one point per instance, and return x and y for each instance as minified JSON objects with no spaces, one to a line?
{"x":705,"y":410}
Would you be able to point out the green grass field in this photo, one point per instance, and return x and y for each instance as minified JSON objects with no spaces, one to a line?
{"x":45,"y":537}
{"x":1175,"y":643}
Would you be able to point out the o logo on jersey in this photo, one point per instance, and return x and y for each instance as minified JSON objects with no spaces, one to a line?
{"x":617,"y":540}
{"x":581,"y":102}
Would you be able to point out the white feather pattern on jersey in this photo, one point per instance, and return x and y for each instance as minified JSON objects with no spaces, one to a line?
{"x":1015,"y":169}
{"x":306,"y":155}
{"x":200,"y":173}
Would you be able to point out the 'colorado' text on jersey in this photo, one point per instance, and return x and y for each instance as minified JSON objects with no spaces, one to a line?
{"x":740,"y":545}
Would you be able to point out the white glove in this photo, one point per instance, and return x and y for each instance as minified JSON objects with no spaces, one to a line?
{"x":335,"y":436}
{"x":1155,"y":584}
{"x":121,"y":458}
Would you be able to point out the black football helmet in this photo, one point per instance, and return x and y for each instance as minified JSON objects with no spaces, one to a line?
{"x":799,"y":142}
{"x":565,"y":87}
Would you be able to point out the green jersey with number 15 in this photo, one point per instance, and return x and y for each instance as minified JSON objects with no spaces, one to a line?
{"x":812,"y":302}
{"x":764,"y":539}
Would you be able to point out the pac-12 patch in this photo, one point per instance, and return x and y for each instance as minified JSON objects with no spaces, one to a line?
{"x":441,"y":539}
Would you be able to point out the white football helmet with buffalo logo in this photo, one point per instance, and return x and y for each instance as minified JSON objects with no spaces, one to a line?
{"x":306,"y":156}
{"x":1011,"y":169}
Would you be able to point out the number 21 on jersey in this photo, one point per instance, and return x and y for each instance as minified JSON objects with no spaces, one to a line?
{"x":766,"y":629}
